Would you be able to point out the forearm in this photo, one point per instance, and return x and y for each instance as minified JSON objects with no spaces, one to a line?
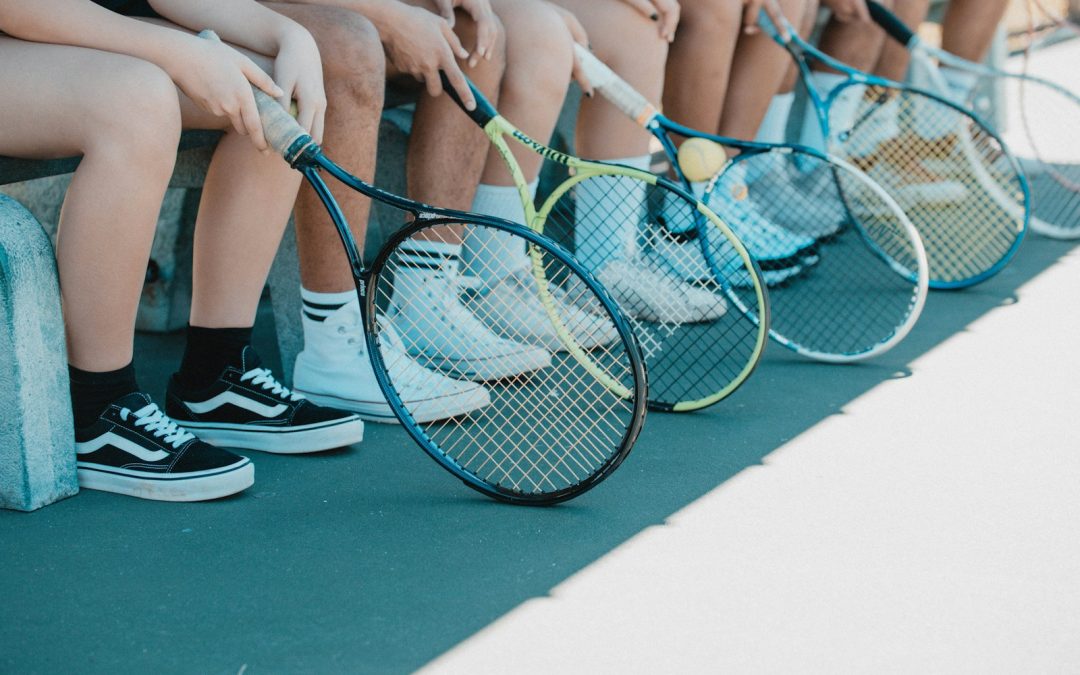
{"x":241,"y":22}
{"x":81,"y":23}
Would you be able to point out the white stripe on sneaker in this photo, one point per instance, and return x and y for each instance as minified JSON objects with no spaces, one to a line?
{"x":122,"y":443}
{"x":229,"y":397}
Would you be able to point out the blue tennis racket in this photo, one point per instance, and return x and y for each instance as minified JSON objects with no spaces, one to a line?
{"x":855,"y":274}
{"x":556,"y":425}
{"x":1044,"y":117}
{"x":951,"y":174}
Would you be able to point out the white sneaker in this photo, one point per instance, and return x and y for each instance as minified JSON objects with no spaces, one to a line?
{"x":334,"y":369}
{"x":437,"y":328}
{"x":513,"y":310}
{"x":644,"y":292}
{"x":909,"y":192}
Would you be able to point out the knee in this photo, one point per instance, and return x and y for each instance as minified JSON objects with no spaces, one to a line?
{"x":721,"y":19}
{"x":354,"y":65}
{"x":138,"y":118}
{"x":540,"y":50}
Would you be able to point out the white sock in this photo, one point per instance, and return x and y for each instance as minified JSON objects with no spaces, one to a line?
{"x":490,"y":254}
{"x":421,"y":260}
{"x":773,"y":127}
{"x":961,"y":84}
{"x":317,"y":306}
{"x":608,"y":216}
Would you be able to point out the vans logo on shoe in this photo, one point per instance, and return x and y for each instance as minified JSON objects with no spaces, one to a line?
{"x":239,"y":401}
{"x":122,"y":443}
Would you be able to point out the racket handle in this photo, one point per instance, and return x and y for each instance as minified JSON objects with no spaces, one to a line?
{"x":484,"y":111}
{"x":891,"y":23}
{"x":283,"y":133}
{"x":615,"y":89}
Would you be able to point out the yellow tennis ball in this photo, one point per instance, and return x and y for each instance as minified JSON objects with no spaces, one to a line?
{"x":700,"y":159}
{"x":293,"y":110}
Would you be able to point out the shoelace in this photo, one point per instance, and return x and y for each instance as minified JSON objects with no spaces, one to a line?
{"x":261,"y":377}
{"x":158,"y":424}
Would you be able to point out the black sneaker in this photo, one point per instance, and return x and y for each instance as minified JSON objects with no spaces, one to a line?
{"x":247,"y":408}
{"x":134,"y":449}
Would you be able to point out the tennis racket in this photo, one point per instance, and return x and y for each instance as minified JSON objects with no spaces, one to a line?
{"x":851,"y":298}
{"x":701,"y":339}
{"x":538,"y":437}
{"x":952,"y":176}
{"x":1048,"y":116}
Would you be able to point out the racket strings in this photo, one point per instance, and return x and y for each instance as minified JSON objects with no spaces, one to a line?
{"x":1050,"y":145}
{"x":672,"y":271}
{"x":550,"y":377}
{"x":860,"y":285}
{"x":951,"y":177}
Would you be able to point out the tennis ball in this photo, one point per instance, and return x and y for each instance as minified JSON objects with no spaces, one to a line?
{"x":700,"y":159}
{"x":293,"y":110}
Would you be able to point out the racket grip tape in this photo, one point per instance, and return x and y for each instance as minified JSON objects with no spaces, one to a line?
{"x":891,"y":23}
{"x":613,"y":88}
{"x":484,"y":111}
{"x":283,"y":133}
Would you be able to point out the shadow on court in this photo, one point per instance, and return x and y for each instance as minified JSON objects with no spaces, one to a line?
{"x":373,"y":558}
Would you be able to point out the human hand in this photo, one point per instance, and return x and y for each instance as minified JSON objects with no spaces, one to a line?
{"x":488,"y":28}
{"x":219,"y":79}
{"x":421,"y":43}
{"x":664,"y":12}
{"x":752,"y":15}
{"x":298,"y":71}
{"x":848,"y":11}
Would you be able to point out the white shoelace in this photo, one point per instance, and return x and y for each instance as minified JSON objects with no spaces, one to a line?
{"x":153,"y":420}
{"x":262,"y":377}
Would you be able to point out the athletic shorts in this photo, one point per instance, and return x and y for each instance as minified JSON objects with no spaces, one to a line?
{"x":128,"y":7}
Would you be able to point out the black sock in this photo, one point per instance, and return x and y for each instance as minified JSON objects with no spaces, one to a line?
{"x":92,"y":392}
{"x":208,"y":352}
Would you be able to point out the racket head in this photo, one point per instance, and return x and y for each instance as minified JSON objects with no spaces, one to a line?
{"x":1047,"y":137}
{"x":953,"y":177}
{"x":860,"y":290}
{"x":538,"y":437}
{"x":672,"y":266}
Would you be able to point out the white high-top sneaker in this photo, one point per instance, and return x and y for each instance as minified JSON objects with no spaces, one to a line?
{"x":334,"y":369}
{"x":442,"y":333}
{"x":512,"y":307}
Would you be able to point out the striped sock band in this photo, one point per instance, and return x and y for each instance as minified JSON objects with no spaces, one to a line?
{"x":318,"y":306}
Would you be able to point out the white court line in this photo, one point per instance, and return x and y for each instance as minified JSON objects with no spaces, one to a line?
{"x":932,"y":526}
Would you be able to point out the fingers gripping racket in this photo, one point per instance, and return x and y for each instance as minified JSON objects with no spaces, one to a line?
{"x":702,"y":336}
{"x":1046,"y":116}
{"x":545,"y":432}
{"x":860,"y":282}
{"x":953,"y":177}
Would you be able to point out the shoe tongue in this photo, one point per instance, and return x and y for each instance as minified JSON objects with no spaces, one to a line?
{"x":133,"y":401}
{"x":248,"y":359}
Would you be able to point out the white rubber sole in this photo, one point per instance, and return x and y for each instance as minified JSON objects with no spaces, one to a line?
{"x":203,"y":486}
{"x":293,"y":441}
{"x":429,"y":410}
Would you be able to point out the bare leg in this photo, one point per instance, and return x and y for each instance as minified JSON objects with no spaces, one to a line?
{"x":354,"y":73}
{"x":855,"y":43}
{"x":893,"y":62}
{"x":630,"y":44}
{"x":121,"y":114}
{"x":699,"y":63}
{"x":539,"y":58}
{"x":446,"y":149}
{"x":758,"y":70}
{"x":969,"y":27}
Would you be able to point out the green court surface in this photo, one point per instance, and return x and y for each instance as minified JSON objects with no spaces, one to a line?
{"x":373,"y":559}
